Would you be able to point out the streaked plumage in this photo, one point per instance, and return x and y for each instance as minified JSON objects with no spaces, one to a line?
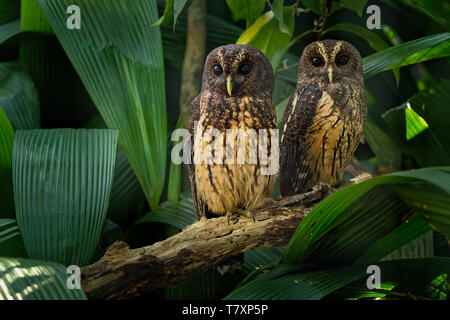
{"x":243,"y":102}
{"x":323,"y":121}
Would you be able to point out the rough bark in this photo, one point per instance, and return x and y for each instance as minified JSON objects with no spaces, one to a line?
{"x":124,"y":273}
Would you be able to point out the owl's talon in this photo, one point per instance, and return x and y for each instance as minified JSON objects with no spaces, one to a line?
{"x":246,"y":213}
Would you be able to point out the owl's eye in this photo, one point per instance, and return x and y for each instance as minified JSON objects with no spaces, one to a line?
{"x":316,"y":62}
{"x":342,"y":60}
{"x":217,"y":70}
{"x":244,"y":69}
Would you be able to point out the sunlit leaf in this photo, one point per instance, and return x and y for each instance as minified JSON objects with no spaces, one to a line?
{"x":26,"y":279}
{"x":265,"y":33}
{"x":415,"y":124}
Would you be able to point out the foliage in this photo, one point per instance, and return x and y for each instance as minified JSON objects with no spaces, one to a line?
{"x":68,"y":193}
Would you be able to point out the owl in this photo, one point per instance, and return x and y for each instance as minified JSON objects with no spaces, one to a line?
{"x":324,"y":118}
{"x":235,"y":99}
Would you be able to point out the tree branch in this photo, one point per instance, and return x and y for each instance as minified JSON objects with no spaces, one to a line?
{"x":123,"y":273}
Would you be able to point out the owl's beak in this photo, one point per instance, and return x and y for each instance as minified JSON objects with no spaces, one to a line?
{"x":229,"y":85}
{"x":330,"y":72}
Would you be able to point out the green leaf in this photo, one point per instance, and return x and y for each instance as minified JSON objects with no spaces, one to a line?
{"x":18,"y":97}
{"x":257,"y":259}
{"x":415,"y":124}
{"x":277,"y":8}
{"x":375,"y":41}
{"x":381,"y":143}
{"x":9,"y":10}
{"x":6,"y":143}
{"x":179,"y":215}
{"x":248,"y":10}
{"x":300,"y":286}
{"x":11,"y":244}
{"x":357,"y":6}
{"x":127,"y":196}
{"x":26,"y":279}
{"x":9,"y":30}
{"x":412,"y":229}
{"x":427,"y":48}
{"x":266,"y":35}
{"x":167,"y":17}
{"x":432,"y":146}
{"x":123,"y":71}
{"x":171,"y":12}
{"x":313,"y":5}
{"x":62,"y":183}
{"x":439,"y":11}
{"x":32,"y":17}
{"x":340,"y":228}
{"x":174,"y":183}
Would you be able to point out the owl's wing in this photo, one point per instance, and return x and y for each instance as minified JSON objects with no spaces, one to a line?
{"x":294,"y":166}
{"x":199,"y":204}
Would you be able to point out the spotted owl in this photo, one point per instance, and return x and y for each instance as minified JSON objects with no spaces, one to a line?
{"x":324,"y":118}
{"x":236,"y":94}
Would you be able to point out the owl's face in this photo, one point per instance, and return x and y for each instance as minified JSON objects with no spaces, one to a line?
{"x":236,"y":70}
{"x":330,"y":61}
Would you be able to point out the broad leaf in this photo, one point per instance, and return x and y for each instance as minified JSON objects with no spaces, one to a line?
{"x":413,"y":228}
{"x":439,"y":11}
{"x":313,"y":5}
{"x":344,"y":225}
{"x":429,"y":147}
{"x":248,"y":10}
{"x":277,"y":9}
{"x":376,"y":42}
{"x":119,"y":59}
{"x":266,"y":35}
{"x":257,"y":259}
{"x":6,"y":143}
{"x":11,"y":244}
{"x":179,"y":215}
{"x":9,"y":30}
{"x":18,"y":97}
{"x":415,"y":124}
{"x":312,"y":285}
{"x":127,"y":197}
{"x":62,"y":183}
{"x":9,"y":10}
{"x":26,"y":279}
{"x":356,"y":6}
{"x":402,"y":54}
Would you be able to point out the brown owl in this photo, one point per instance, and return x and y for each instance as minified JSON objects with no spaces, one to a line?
{"x":236,"y":95}
{"x":324,"y":119}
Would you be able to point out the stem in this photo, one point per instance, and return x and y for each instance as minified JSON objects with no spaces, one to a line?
{"x":319,"y":24}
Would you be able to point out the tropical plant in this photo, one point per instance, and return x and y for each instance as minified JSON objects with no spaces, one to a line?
{"x":85,"y":121}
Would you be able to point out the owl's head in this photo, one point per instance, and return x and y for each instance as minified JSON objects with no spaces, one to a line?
{"x":330,"y":61}
{"x":237,"y":70}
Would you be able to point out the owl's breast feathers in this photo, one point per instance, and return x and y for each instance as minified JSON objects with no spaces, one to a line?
{"x":322,"y":128}
{"x":230,"y":184}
